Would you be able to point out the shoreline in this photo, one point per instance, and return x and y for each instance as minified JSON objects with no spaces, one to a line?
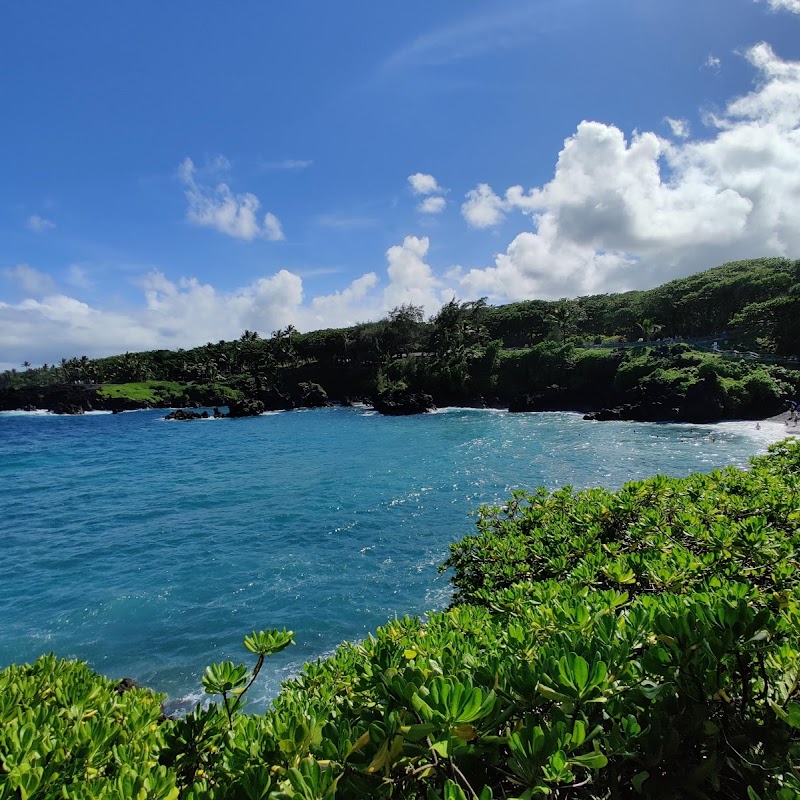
{"x":776,"y":419}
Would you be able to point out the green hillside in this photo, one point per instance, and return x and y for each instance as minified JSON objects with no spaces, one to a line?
{"x":741,"y":320}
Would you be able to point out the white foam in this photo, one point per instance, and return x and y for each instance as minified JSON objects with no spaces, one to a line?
{"x":768,"y":432}
{"x":453,"y":409}
{"x":43,"y":413}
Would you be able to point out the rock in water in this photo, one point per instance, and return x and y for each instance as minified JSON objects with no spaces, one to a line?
{"x":313,"y":396}
{"x":401,"y":402}
{"x":245,"y":408}
{"x":275,"y":400}
{"x":182,"y":415}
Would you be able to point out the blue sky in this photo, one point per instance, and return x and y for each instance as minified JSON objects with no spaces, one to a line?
{"x":173,"y":173}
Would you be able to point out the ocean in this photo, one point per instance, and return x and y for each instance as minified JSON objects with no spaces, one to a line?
{"x":151,"y":548}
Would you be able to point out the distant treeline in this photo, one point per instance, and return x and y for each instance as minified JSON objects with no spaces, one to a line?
{"x":466,"y":347}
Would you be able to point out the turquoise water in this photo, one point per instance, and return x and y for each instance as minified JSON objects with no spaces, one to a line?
{"x":150,"y":548}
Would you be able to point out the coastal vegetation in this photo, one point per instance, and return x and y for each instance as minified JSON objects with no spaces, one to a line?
{"x":643,"y":642}
{"x":719,"y":344}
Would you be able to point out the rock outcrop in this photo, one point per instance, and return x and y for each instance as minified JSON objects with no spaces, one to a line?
{"x":245,"y":408}
{"x":275,"y":400}
{"x":401,"y":402}
{"x":182,"y":415}
{"x":312,"y":395}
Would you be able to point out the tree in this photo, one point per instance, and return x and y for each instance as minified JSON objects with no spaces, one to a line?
{"x":649,"y":328}
{"x":402,"y":328}
{"x":564,"y":317}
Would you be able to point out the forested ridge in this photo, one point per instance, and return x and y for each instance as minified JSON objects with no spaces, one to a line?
{"x":742,"y":318}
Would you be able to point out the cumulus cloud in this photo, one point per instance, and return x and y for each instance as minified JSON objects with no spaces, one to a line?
{"x":785,"y":5}
{"x":411,"y":279}
{"x":483,"y":208}
{"x":50,"y":324}
{"x":712,"y":62}
{"x":432,"y":205}
{"x":433,"y":194}
{"x":422,"y":183}
{"x":622,"y":214}
{"x":217,"y":207}
{"x":39,"y":224}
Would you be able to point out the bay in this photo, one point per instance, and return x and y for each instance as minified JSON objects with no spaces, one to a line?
{"x":150,"y":548}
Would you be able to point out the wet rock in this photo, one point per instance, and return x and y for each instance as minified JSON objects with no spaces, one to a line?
{"x":400,"y":402}
{"x":68,"y":409}
{"x":182,"y":415}
{"x":245,"y":408}
{"x":312,"y":395}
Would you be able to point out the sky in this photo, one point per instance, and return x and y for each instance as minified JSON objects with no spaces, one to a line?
{"x":175,"y":173}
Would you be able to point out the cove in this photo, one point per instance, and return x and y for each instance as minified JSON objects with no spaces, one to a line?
{"x":150,"y":548}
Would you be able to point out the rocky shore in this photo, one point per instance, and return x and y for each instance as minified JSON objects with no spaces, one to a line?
{"x":700,"y":403}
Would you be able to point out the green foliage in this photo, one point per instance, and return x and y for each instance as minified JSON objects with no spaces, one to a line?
{"x":465,"y":348}
{"x":148,"y":391}
{"x":65,"y":732}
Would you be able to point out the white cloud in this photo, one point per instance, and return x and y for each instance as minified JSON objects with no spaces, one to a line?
{"x":29,"y":280}
{"x":679,"y":127}
{"x":411,"y":279}
{"x":483,"y":208}
{"x":476,"y":35}
{"x":187,"y":312}
{"x":422,"y":183}
{"x":785,"y":5}
{"x":432,"y":205}
{"x":218,"y":208}
{"x":345,"y":307}
{"x":39,"y":224}
{"x":624,"y":214}
{"x":712,"y":62}
{"x":272,"y":228}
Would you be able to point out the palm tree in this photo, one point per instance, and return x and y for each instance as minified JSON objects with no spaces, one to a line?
{"x":649,"y":328}
{"x":564,"y":317}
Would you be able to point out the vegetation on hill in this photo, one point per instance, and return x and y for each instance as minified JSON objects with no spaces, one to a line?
{"x":580,"y":353}
{"x":638,"y":643}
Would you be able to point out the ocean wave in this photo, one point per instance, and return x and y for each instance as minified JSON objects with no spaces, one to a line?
{"x":456,"y":409}
{"x":40,"y":412}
